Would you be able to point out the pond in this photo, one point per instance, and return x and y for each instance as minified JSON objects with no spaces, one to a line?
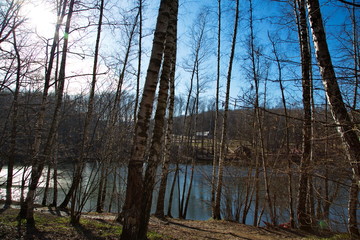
{"x":236,"y":187}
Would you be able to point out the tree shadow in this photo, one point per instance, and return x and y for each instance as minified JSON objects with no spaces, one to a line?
{"x":298,"y":233}
{"x":29,"y":231}
{"x":3,"y":209}
{"x":57,"y":211}
{"x":208,"y":231}
{"x":33,"y":233}
{"x":86,"y":233}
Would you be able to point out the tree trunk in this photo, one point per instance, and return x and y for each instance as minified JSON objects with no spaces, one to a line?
{"x":55,"y":175}
{"x":345,"y":126}
{"x":215,"y":136}
{"x":339,"y":112}
{"x":25,"y":207}
{"x":287,"y":137}
{"x":216,"y":211}
{"x":132,"y":209}
{"x":47,"y":183}
{"x":138,"y":76}
{"x":356,"y":54}
{"x":168,"y":140}
{"x":168,"y":66}
{"x":353,"y":208}
{"x":39,"y":163}
{"x":99,"y":205}
{"x":15,"y":107}
{"x":302,"y":210}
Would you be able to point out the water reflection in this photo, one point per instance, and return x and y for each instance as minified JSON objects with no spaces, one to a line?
{"x":234,"y":191}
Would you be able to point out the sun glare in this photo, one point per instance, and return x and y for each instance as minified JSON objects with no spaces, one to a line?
{"x":40,"y":18}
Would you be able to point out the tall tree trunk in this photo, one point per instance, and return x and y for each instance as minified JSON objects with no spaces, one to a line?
{"x":216,"y":211}
{"x":41,"y":160}
{"x":302,"y":212}
{"x":113,"y":114}
{"x":354,"y":188}
{"x":132,"y":209}
{"x":345,"y":126}
{"x":168,"y":65}
{"x":194,"y":156}
{"x":258,"y":117}
{"x":287,"y":136}
{"x":333,"y":93}
{"x":75,"y":216}
{"x":215,"y":136}
{"x":168,"y":140}
{"x":25,"y":207}
{"x":138,"y":76}
{"x":356,"y":54}
{"x":15,"y":107}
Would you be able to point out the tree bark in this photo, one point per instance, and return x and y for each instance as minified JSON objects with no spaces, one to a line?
{"x":168,"y":65}
{"x":287,"y":136}
{"x":339,"y":112}
{"x":138,"y":76}
{"x":39,"y":164}
{"x":353,"y":208}
{"x":14,"y":127}
{"x":215,"y":137}
{"x":168,"y":140}
{"x":302,"y":213}
{"x":216,"y":211}
{"x":345,"y":126}
{"x":134,"y":191}
{"x":25,"y":207}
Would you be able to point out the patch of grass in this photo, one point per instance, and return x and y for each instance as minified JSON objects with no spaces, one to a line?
{"x":9,"y":218}
{"x":104,"y":229}
{"x":154,"y":236}
{"x":48,"y":223}
{"x":56,"y":227}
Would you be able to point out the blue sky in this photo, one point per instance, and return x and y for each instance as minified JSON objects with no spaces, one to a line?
{"x":270,"y":16}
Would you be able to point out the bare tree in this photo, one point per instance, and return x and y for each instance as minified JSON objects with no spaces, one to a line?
{"x":133,"y":215}
{"x":75,"y":215}
{"x":287,"y":132}
{"x":168,"y":139}
{"x":345,"y":125}
{"x":27,"y":209}
{"x":138,"y":76}
{"x":14,"y":122}
{"x":303,"y":217}
{"x":216,"y":210}
{"x":168,"y":66}
{"x":215,"y":147}
{"x":9,"y":18}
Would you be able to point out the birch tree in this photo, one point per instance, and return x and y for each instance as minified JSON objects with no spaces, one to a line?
{"x":27,"y":209}
{"x":345,"y":125}
{"x":216,"y":210}
{"x":303,"y":217}
{"x":132,"y":210}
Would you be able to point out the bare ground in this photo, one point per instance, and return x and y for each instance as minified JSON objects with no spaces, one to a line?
{"x":169,"y":228}
{"x":218,"y":230}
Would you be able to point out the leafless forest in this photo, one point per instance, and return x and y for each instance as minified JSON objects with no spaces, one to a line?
{"x":147,"y":91}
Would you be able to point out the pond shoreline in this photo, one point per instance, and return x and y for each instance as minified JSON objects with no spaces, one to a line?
{"x":104,"y":226}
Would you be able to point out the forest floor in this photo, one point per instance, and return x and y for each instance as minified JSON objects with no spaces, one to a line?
{"x":52,"y":224}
